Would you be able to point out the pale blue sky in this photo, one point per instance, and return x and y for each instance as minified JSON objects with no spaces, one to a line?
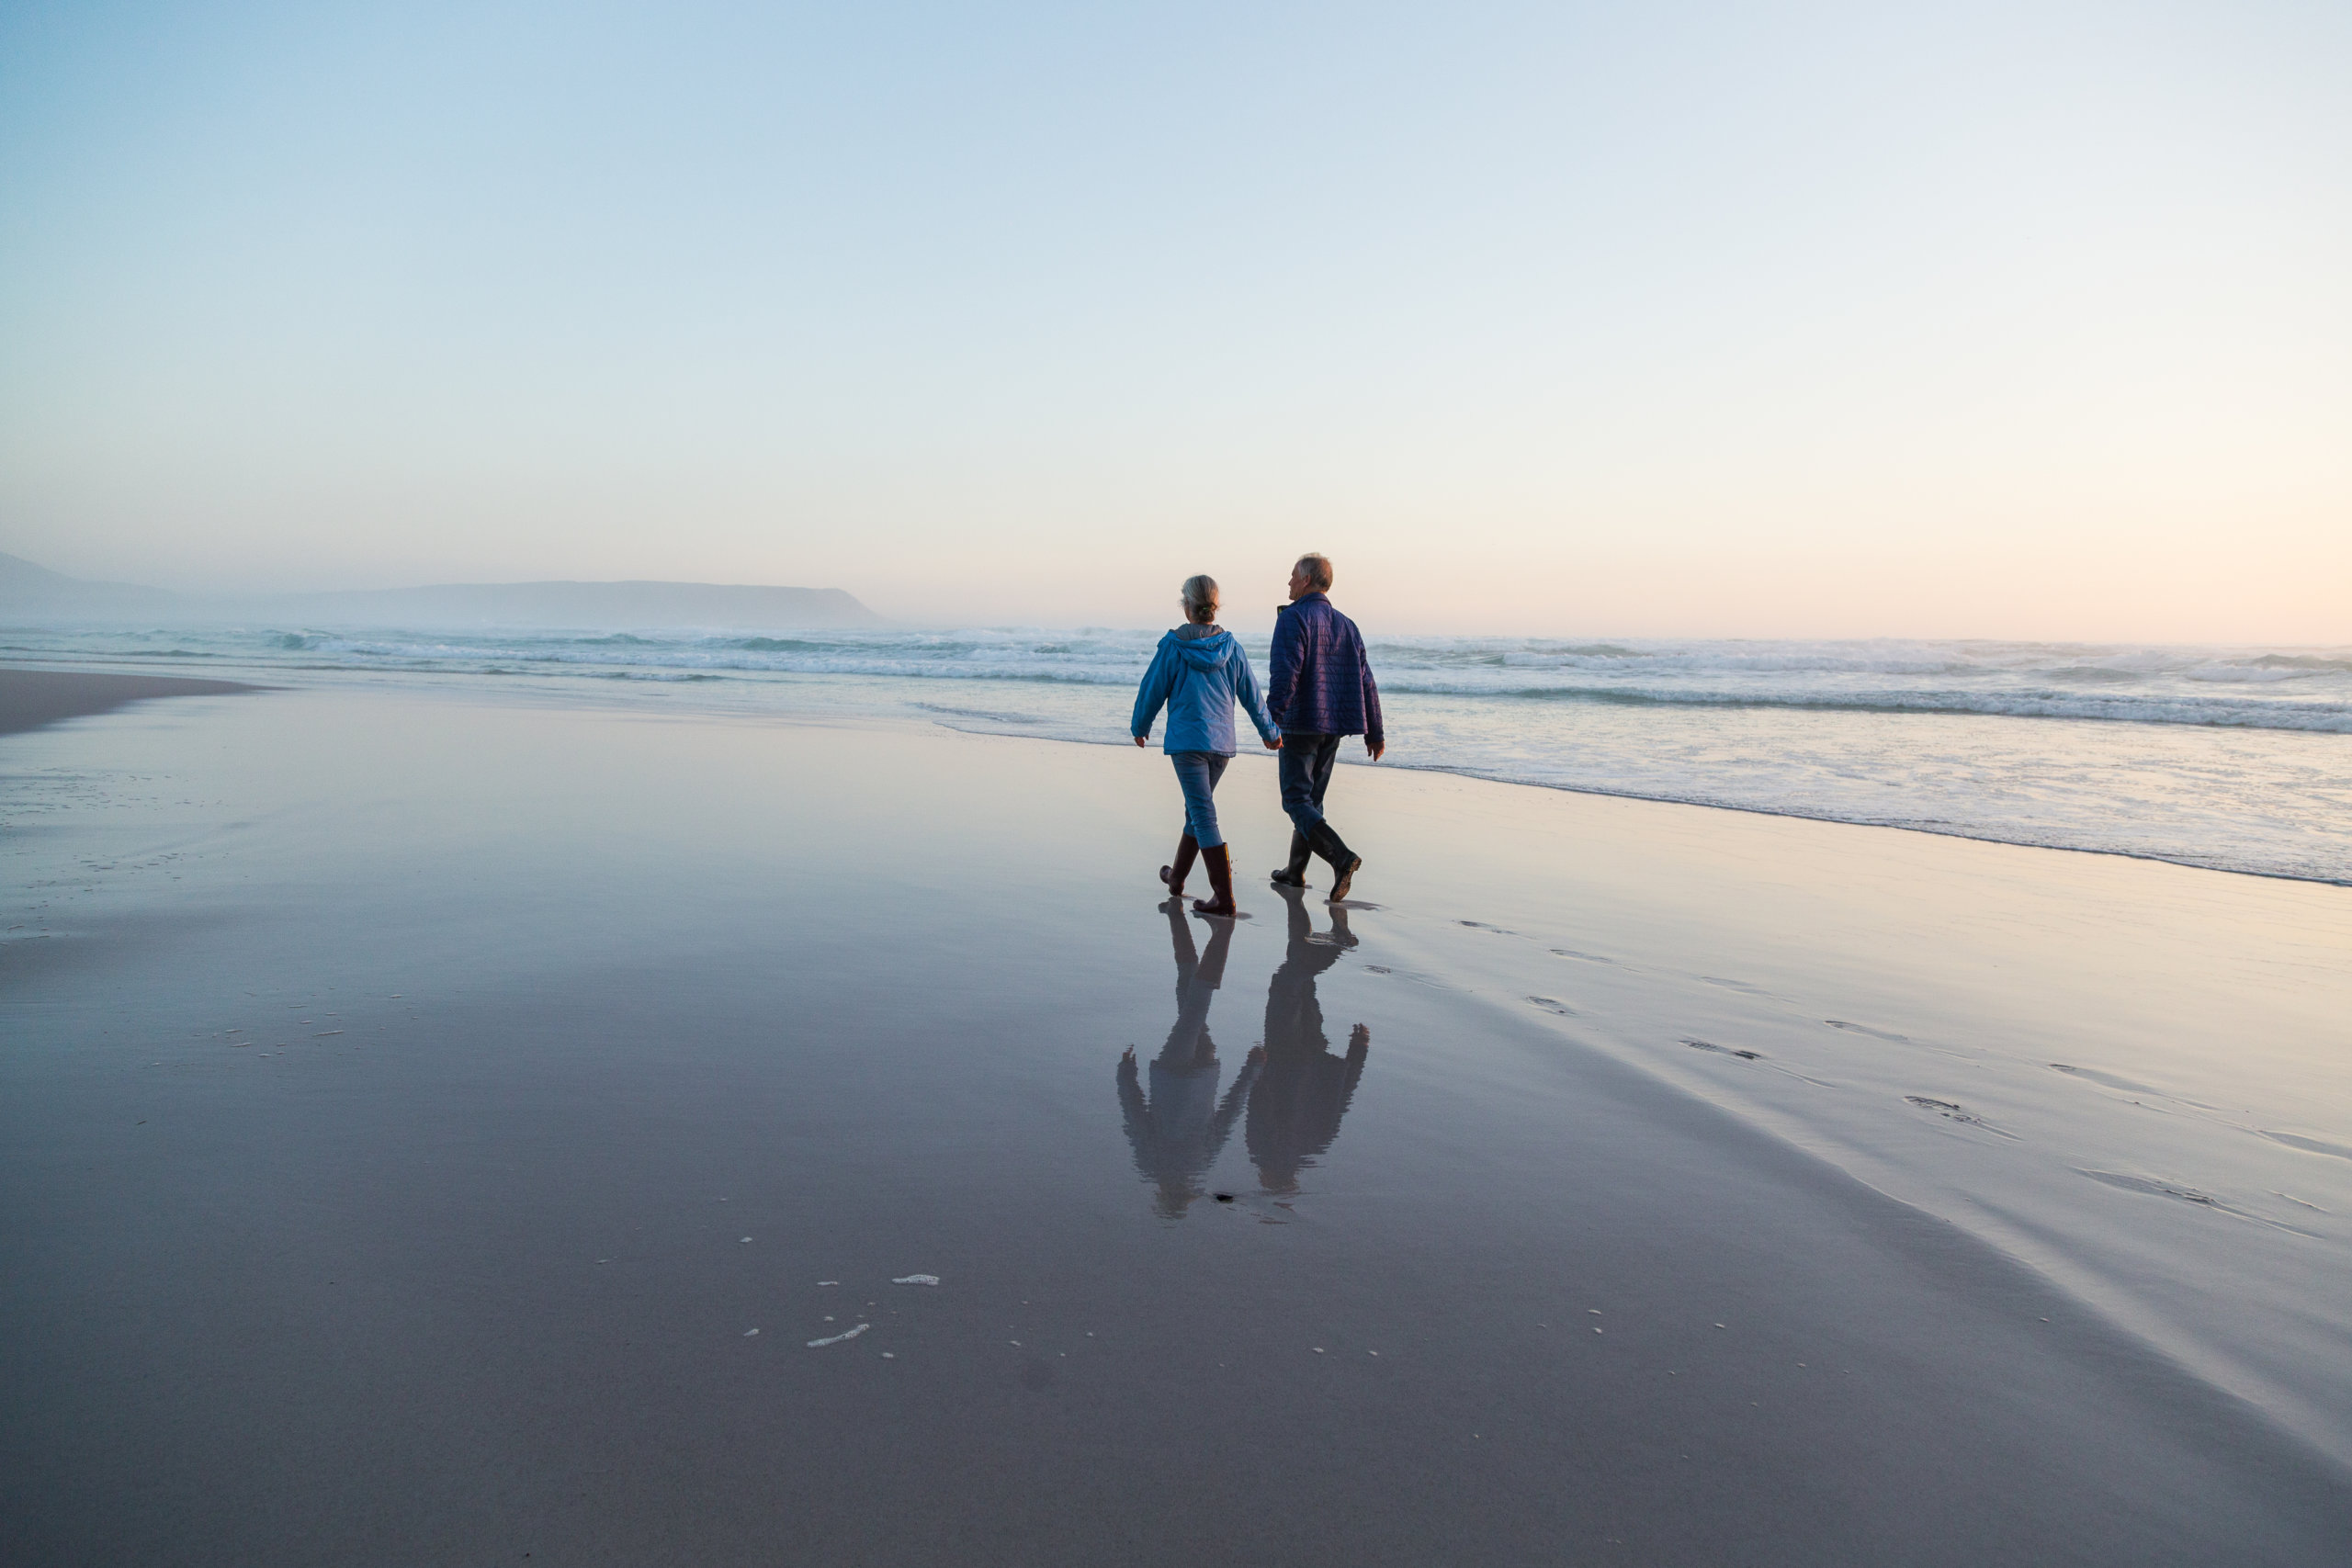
{"x":1752,"y":320}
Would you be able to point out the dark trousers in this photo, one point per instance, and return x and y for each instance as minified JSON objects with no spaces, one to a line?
{"x":1305,"y":763}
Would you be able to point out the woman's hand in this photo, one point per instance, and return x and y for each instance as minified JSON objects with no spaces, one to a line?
{"x":1141,"y":738}
{"x":1275,"y":744}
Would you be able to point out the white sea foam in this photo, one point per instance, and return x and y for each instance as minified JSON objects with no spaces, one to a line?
{"x":2307,"y":689}
{"x":2237,"y":758}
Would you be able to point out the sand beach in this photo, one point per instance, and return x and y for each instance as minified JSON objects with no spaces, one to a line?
{"x":447,"y":1126}
{"x":591,"y":696}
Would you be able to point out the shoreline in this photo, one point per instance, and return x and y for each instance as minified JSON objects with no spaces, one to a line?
{"x":1886,"y":827}
{"x":738,"y":682}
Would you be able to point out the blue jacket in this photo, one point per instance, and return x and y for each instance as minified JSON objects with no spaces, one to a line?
{"x":1321,"y":682}
{"x":1199,"y":678}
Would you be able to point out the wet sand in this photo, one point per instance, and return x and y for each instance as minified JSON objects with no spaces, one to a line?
{"x":31,"y":698}
{"x":413,"y":1108}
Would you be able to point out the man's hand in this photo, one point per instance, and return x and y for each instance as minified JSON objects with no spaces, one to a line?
{"x":1371,"y":747}
{"x":1142,"y":738}
{"x":1275,"y":744}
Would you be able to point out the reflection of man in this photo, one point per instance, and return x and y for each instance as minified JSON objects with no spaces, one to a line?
{"x":1295,"y":1109}
{"x":1179,"y":1131}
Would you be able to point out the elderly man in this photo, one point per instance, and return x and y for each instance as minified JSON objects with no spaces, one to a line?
{"x":1321,"y":691}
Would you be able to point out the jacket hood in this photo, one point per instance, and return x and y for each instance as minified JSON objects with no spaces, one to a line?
{"x":1204,"y":653}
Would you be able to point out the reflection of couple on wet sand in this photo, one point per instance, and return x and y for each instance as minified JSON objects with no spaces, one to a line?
{"x":1294,"y":1089}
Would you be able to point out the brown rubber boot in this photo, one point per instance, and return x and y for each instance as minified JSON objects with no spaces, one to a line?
{"x":1220,"y":863}
{"x":1173,"y":876}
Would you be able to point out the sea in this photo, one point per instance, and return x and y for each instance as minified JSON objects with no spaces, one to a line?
{"x":2236,"y":759}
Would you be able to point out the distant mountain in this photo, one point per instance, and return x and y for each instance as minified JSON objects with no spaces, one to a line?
{"x":30,"y":592}
{"x":34,"y":593}
{"x":605,"y":605}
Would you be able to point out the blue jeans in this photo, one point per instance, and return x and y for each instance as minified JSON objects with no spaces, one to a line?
{"x":1196,"y":775}
{"x":1305,"y":763}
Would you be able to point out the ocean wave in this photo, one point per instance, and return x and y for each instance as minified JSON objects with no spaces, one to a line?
{"x":2300,"y":661}
{"x":2300,"y":689}
{"x":2318,"y":717}
{"x":989,"y":715}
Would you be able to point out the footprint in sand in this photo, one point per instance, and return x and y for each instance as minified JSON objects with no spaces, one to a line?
{"x":2126,"y":1086}
{"x":1723,"y":1050}
{"x":1740,"y":985}
{"x":2309,"y":1146}
{"x":1553,"y":1005}
{"x":1847,"y":1026}
{"x":1583,"y":957}
{"x":1429,"y":980}
{"x":2180,"y":1193}
{"x":1866,"y":1028}
{"x":2150,"y":1185}
{"x":1950,"y":1112}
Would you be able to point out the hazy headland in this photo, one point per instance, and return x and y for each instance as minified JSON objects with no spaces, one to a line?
{"x":30,"y":593}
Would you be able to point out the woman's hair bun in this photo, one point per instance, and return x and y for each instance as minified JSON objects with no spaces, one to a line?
{"x":1200,"y":597}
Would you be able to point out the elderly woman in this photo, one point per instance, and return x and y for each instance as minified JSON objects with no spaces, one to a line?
{"x":1198,"y":673}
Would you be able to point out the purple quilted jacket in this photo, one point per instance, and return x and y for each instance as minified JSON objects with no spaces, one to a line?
{"x":1321,"y":684}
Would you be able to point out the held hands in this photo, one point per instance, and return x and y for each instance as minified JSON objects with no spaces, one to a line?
{"x":1273,"y":745}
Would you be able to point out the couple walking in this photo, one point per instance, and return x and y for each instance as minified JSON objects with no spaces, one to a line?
{"x":1320,"y":690}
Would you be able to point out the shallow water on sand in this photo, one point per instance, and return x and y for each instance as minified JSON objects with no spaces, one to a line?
{"x":2233,"y":758}
{"x":414,"y":1108}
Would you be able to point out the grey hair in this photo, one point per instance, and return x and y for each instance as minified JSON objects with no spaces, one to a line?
{"x":1318,"y":570}
{"x":1199,"y":598}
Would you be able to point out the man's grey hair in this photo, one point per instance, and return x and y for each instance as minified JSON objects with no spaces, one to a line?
{"x":1200,"y":598}
{"x":1318,"y":568}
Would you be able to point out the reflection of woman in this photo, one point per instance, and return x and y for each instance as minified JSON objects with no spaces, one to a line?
{"x":1295,"y":1111}
{"x":1199,"y":673}
{"x":1180,"y":1129}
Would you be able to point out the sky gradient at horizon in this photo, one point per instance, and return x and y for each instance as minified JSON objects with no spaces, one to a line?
{"x":1806,"y":321}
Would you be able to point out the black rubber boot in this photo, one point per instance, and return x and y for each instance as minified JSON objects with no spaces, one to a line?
{"x":1345,"y":862}
{"x":1295,"y":873}
{"x":1173,"y":876}
{"x":1219,"y":862}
